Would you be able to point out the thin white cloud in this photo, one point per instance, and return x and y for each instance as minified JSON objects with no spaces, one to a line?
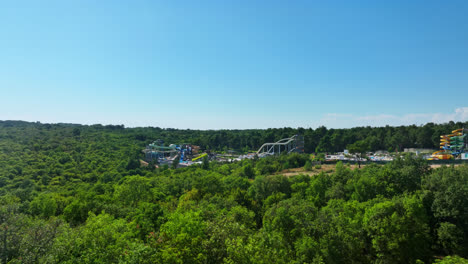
{"x":229,"y":120}
{"x":338,"y":120}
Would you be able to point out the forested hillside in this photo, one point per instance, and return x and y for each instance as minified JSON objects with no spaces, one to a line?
{"x":76,"y":194}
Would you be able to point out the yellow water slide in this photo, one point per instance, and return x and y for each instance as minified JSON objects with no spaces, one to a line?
{"x":438,"y":156}
{"x":444,"y":143}
{"x":199,"y":157}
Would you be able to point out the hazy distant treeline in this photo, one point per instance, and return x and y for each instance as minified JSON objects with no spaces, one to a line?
{"x":316,"y":140}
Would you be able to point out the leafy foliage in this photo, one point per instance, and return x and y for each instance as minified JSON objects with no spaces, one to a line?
{"x":77,"y":194}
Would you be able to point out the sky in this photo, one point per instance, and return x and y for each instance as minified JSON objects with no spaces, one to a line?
{"x":234,"y":64}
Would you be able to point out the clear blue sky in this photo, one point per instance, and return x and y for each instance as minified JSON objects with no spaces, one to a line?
{"x":234,"y":64}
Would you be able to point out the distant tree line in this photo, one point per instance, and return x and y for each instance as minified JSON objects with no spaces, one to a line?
{"x":317,"y":140}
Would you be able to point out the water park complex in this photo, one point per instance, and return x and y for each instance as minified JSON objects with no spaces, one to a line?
{"x":188,"y":154}
{"x":452,"y":146}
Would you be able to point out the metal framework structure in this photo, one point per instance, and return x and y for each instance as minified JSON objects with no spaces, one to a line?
{"x":155,"y":151}
{"x":292,"y":144}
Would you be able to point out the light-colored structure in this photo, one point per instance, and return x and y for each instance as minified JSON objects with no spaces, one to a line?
{"x":292,"y":144}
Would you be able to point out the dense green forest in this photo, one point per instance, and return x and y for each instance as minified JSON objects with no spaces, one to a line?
{"x":316,"y":140}
{"x":76,"y":194}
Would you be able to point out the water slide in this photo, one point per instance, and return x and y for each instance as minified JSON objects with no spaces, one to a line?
{"x":199,"y":157}
{"x":441,"y":155}
{"x":451,"y":145}
{"x":284,"y":145}
{"x":457,"y":143}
